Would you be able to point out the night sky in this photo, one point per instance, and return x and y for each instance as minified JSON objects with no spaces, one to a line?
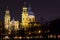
{"x":49,"y":9}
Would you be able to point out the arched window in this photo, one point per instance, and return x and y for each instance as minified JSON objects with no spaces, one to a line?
{"x":30,"y":19}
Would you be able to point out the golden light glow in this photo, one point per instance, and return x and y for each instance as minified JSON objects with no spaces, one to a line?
{"x":39,"y":31}
{"x":31,"y":18}
{"x":9,"y":32}
{"x":20,"y":37}
{"x":37,"y":25}
{"x":54,"y":36}
{"x":27,"y":37}
{"x":6,"y":37}
{"x":15,"y":37}
{"x":51,"y":36}
{"x":29,"y":33}
{"x":25,"y":8}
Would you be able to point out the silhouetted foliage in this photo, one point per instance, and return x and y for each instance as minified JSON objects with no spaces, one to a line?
{"x":55,"y":26}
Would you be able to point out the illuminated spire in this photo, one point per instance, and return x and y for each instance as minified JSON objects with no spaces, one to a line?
{"x":24,"y":7}
{"x":7,"y":11}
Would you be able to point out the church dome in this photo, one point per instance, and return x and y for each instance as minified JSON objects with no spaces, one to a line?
{"x":30,"y":12}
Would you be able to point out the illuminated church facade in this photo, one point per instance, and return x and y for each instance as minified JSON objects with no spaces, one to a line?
{"x":27,"y":17}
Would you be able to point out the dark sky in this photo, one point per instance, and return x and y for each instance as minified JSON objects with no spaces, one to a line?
{"x":49,"y":9}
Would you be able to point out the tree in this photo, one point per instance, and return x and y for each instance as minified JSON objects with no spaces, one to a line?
{"x":55,"y":26}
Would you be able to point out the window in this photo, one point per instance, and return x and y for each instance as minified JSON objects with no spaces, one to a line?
{"x":30,"y":19}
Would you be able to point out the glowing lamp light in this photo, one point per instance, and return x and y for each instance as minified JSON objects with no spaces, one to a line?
{"x":29,"y":33}
{"x":28,"y":37}
{"x":39,"y":31}
{"x":20,"y":37}
{"x":15,"y":37}
{"x":6,"y":37}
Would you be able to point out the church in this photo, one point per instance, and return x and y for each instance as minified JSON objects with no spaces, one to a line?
{"x":27,"y":17}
